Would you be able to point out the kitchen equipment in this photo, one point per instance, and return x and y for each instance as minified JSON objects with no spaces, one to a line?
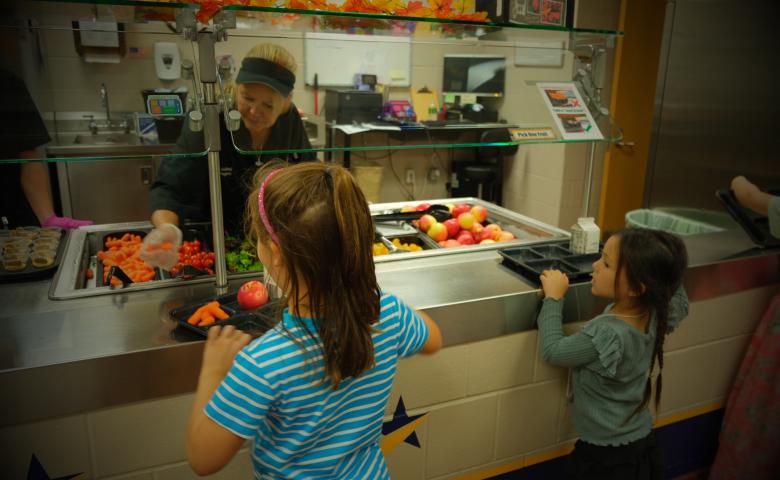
{"x":439,"y":212}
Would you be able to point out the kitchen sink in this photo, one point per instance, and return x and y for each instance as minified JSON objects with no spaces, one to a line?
{"x":108,"y":138}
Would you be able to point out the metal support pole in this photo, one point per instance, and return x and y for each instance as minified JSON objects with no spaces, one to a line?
{"x":588,"y":179}
{"x":211,"y":129}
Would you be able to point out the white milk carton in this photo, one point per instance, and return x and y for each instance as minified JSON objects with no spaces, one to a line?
{"x":585,"y":236}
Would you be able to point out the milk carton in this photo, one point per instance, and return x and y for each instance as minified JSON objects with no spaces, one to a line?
{"x":585,"y":236}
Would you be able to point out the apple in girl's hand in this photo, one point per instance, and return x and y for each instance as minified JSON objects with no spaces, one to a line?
{"x":458,"y":209}
{"x":480,"y":213}
{"x":252,"y":294}
{"x":438,"y":232}
{"x":452,"y":227}
{"x":425,"y":222}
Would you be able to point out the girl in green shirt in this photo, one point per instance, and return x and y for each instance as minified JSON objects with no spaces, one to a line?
{"x":612,"y":358}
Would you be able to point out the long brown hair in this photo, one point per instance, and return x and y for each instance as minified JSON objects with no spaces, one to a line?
{"x":654,"y":263}
{"x":325,"y":233}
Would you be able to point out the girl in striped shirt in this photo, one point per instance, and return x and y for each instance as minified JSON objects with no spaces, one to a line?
{"x":310,"y":393}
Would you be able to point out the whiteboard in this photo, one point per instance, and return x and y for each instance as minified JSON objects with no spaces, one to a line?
{"x":337,"y":57}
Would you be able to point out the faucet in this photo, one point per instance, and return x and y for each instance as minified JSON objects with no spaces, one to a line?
{"x":104,"y":102}
{"x":124,"y":124}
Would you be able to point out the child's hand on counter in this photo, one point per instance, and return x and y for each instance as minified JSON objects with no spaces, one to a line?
{"x":222,"y":345}
{"x":554,"y":284}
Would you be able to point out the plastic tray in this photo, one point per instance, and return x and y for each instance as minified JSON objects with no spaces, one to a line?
{"x":532,"y":260}
{"x":755,"y":225}
{"x":254,"y":322}
{"x":34,"y":273}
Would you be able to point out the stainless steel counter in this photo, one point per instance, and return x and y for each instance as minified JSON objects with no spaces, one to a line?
{"x":100,"y":351}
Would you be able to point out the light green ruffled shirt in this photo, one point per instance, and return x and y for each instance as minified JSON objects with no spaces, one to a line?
{"x":610,"y":361}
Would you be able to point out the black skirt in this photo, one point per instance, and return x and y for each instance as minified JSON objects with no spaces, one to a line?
{"x":638,"y":460}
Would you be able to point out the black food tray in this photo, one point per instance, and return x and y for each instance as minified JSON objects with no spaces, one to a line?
{"x":755,"y":225}
{"x":532,"y":260}
{"x":35,"y":273}
{"x":254,"y":322}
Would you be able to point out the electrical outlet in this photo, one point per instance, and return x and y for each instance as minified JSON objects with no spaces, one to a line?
{"x":409,"y":176}
{"x":434,"y":174}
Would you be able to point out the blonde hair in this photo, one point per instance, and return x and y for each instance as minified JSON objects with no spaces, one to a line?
{"x":273,"y":53}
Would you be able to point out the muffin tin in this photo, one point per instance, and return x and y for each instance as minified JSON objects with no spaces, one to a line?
{"x":28,"y":253}
{"x":530,"y":261}
{"x":254,"y":322}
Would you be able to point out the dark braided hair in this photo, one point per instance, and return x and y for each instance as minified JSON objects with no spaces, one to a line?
{"x":654,"y":263}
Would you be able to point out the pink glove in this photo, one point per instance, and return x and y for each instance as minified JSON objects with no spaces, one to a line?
{"x":65,"y":222}
{"x":161,"y":246}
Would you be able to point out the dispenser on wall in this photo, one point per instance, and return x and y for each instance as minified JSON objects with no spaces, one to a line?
{"x":167,"y":61}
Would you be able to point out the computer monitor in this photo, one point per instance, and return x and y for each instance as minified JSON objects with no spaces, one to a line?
{"x":481,"y":75}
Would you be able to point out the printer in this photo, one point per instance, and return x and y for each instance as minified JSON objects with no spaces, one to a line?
{"x":348,"y":106}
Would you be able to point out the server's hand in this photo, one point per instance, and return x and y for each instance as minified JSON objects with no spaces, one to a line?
{"x":161,"y":246}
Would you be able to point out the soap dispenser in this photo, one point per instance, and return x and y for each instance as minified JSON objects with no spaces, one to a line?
{"x":167,"y":61}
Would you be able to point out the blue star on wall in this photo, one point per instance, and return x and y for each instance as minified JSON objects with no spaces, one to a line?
{"x":400,"y":419}
{"x":36,"y":471}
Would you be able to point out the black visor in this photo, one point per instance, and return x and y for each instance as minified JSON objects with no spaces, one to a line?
{"x":260,"y":70}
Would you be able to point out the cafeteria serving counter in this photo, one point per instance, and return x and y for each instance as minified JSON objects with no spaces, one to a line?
{"x":98,"y":351}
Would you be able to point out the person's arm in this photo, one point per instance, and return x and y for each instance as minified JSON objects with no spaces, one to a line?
{"x":749,"y":195}
{"x":554,"y":347}
{"x":434,"y":342}
{"x":35,"y":184}
{"x":209,"y":445}
{"x":162,"y":216}
{"x":558,"y":349}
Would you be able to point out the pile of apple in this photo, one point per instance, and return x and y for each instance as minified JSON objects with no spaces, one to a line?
{"x":466,"y":227}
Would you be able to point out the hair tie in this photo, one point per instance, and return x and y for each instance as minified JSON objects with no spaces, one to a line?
{"x":261,"y":206}
{"x":328,"y":177}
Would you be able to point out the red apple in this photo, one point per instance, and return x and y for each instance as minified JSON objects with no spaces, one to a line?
{"x":452,"y":227}
{"x":438,"y":232}
{"x":476,"y":229}
{"x":425,"y":222}
{"x":466,"y":221}
{"x":451,"y":243}
{"x":505,"y":236}
{"x":465,"y":238}
{"x":460,"y":208}
{"x":484,"y":234}
{"x":450,"y":206}
{"x":423,"y":206}
{"x":443,"y":243}
{"x":252,"y":294}
{"x":480,"y":213}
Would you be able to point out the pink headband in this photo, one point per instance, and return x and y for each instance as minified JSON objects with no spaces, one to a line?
{"x":261,"y":206}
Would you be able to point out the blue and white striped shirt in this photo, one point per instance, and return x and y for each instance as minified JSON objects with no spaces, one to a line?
{"x":301,"y":427}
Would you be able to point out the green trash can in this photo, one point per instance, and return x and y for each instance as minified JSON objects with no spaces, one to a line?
{"x":668,"y":222}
